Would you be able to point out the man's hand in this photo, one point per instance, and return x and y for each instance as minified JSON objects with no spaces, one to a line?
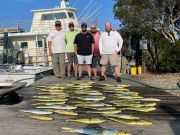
{"x":50,"y":53}
{"x":117,"y":52}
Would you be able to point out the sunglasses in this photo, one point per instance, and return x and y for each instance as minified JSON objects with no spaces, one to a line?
{"x":71,"y":25}
{"x":93,"y":28}
{"x":57,"y":25}
{"x":83,"y":27}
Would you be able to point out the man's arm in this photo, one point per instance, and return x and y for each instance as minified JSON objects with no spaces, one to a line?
{"x":92,"y":44}
{"x":75,"y":48}
{"x":92,"y":47}
{"x":120,"y":42}
{"x":50,"y":44}
{"x":75,"y":44}
{"x":100,"y":45}
{"x":50,"y":48}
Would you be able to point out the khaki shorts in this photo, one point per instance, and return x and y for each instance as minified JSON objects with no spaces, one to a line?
{"x":72,"y":58}
{"x":112,"y":58}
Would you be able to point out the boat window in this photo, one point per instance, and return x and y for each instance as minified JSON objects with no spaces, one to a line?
{"x":40,"y":43}
{"x":61,"y":15}
{"x":24,"y":45}
{"x":71,"y":15}
{"x":47,"y":17}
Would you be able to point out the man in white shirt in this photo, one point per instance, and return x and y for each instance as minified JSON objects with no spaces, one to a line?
{"x":110,"y":44}
{"x":57,"y":48}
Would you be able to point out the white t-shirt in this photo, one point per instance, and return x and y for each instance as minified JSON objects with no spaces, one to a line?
{"x":110,"y":43}
{"x":58,"y":43}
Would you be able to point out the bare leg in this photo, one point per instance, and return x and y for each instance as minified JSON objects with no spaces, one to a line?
{"x":88,"y":69}
{"x":117,"y":71}
{"x":103,"y":70}
{"x":75,"y":69}
{"x":69,"y":70}
{"x":105,"y":73}
{"x":80,"y":69}
{"x":95,"y":72}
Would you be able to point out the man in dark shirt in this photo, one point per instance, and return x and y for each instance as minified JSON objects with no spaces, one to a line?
{"x":84,"y":47}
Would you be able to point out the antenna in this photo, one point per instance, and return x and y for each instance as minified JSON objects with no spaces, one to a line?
{"x":94,"y":12}
{"x":64,"y":3}
{"x":86,"y":7}
{"x":88,"y":11}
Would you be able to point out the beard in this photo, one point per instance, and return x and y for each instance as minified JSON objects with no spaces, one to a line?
{"x":93,"y":32}
{"x":108,"y":30}
{"x":84,"y":30}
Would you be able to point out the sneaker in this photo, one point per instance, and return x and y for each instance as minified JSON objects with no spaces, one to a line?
{"x":102,"y":78}
{"x":58,"y":77}
{"x":79,"y":78}
{"x":62,"y":77}
{"x":118,"y":79}
{"x":90,"y":78}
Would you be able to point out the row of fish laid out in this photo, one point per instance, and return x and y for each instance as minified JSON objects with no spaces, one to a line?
{"x":107,"y":101}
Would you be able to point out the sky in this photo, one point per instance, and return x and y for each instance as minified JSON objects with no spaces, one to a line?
{"x":11,"y":10}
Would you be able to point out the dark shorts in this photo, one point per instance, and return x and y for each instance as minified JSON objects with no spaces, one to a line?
{"x":95,"y":61}
{"x":72,"y":58}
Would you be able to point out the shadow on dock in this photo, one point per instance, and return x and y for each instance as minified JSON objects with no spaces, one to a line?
{"x":10,"y":99}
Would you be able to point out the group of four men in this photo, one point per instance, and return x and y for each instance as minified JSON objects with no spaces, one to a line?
{"x":84,"y":48}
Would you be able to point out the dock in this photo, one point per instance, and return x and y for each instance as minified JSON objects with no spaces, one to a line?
{"x":165,"y":119}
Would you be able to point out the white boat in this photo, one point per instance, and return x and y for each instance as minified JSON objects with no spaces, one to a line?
{"x":34,"y":42}
{"x":10,"y":74}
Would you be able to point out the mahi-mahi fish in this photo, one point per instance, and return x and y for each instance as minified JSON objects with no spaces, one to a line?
{"x":132,"y":122}
{"x":105,"y":112}
{"x":95,"y":131}
{"x":44,"y":118}
{"x":87,"y":120}
{"x":36,"y":111}
{"x":140,"y":109}
{"x":64,"y":112}
{"x":123,"y":116}
{"x":59,"y":107}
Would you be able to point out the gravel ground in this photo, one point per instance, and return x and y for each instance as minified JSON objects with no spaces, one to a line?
{"x":168,"y":80}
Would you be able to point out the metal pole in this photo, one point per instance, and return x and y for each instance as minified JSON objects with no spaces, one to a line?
{"x":36,"y":49}
{"x":45,"y":52}
{"x":5,"y":50}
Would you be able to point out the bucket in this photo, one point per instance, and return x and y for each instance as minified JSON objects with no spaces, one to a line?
{"x":133,"y":71}
{"x":139,"y":68}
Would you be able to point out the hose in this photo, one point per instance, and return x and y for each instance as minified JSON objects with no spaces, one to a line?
{"x":151,"y":86}
{"x":125,"y":78}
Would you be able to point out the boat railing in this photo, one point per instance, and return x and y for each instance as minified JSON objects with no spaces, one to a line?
{"x":32,"y":26}
{"x":35,"y":69}
{"x":8,"y":77}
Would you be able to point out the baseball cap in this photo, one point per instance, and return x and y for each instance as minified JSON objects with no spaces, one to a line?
{"x":57,"y":23}
{"x":84,"y":25}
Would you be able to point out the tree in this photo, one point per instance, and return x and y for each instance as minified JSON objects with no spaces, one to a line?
{"x":159,"y":22}
{"x":163,"y":16}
